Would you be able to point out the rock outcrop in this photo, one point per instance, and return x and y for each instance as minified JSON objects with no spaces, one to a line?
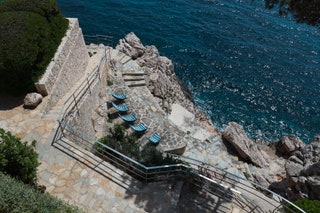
{"x":303,"y":171}
{"x":32,"y":100}
{"x":298,"y":176}
{"x":244,"y":146}
{"x":131,"y":45}
{"x":289,"y":145}
{"x":161,"y":78}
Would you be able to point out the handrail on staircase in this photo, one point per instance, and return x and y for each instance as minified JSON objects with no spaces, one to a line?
{"x":240,"y":186}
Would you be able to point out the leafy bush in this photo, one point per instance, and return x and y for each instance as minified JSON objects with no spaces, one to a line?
{"x":18,"y":197}
{"x":128,"y":145}
{"x":30,"y":33}
{"x":118,"y":140}
{"x":303,"y":11}
{"x":310,"y":206}
{"x":18,"y":159}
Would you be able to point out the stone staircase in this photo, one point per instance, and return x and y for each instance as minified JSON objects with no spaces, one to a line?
{"x":132,"y":73}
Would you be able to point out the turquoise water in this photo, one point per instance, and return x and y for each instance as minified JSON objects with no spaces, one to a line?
{"x":242,"y":62}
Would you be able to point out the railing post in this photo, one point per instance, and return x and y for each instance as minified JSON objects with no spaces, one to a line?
{"x":76,"y":104}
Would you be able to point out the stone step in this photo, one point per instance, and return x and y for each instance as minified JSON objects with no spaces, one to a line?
{"x":135,"y":83}
{"x":120,"y":56}
{"x":133,"y":77}
{"x":125,"y":59}
{"x":131,"y":72}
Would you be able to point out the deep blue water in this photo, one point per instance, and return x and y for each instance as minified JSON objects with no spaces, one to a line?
{"x":242,"y":62}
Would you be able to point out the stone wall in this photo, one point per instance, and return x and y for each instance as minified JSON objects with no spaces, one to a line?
{"x":68,"y":65}
{"x":87,"y":95}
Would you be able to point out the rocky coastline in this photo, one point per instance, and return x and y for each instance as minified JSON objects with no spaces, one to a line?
{"x":288,"y":167}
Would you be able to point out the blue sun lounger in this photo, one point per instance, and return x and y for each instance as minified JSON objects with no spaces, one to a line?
{"x":121,"y":108}
{"x":119,"y":96}
{"x":155,"y":138}
{"x":128,"y":118}
{"x":139,"y":128}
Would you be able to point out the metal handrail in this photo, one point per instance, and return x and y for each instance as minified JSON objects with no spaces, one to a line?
{"x":187,"y":166}
{"x":79,"y":91}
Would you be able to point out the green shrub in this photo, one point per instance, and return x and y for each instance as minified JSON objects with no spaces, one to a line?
{"x":30,"y":33}
{"x":18,"y":197}
{"x":120,"y":141}
{"x":109,"y":83}
{"x":310,"y":206}
{"x":128,"y":145}
{"x":18,"y":159}
{"x":151,"y":156}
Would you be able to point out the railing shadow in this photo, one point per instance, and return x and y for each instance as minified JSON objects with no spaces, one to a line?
{"x":151,"y":187}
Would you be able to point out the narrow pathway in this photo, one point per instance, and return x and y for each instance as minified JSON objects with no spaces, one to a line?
{"x":75,"y":175}
{"x":72,"y":180}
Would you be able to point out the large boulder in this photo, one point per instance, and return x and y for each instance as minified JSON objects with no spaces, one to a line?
{"x":303,"y":173}
{"x":131,"y":45}
{"x":289,"y":145}
{"x":32,"y":100}
{"x":235,"y":135}
{"x":161,"y":79}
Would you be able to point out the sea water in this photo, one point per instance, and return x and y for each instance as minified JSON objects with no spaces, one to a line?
{"x":242,"y":62}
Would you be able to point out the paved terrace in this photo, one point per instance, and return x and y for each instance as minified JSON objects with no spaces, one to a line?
{"x":75,"y":179}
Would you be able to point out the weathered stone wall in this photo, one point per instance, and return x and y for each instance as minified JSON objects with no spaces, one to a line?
{"x":87,"y":99}
{"x":67,"y":66}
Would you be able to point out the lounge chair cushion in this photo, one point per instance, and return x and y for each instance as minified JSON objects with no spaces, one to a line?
{"x":122,"y":108}
{"x":139,"y":128}
{"x":128,"y":118}
{"x":155,"y":138}
{"x":119,"y":96}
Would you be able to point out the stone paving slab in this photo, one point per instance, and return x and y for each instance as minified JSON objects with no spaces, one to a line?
{"x":78,"y":177}
{"x":78,"y":182}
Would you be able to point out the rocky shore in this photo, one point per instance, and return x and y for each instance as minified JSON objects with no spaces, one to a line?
{"x":288,"y":167}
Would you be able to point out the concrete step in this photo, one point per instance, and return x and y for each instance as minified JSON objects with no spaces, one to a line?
{"x":133,"y":77}
{"x":135,"y":83}
{"x":131,"y":72}
{"x":120,"y":56}
{"x":125,"y":59}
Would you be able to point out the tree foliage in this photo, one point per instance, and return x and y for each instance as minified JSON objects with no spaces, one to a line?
{"x":128,"y":145}
{"x":17,"y":158}
{"x":18,"y":197}
{"x":30,"y":32}
{"x":310,"y":206}
{"x":304,"y":11}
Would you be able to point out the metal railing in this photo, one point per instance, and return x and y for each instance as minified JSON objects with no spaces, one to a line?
{"x":248,"y":196}
{"x":72,"y":104}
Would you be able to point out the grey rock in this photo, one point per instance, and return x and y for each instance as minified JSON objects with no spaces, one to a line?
{"x":161,"y":79}
{"x":131,"y":45}
{"x":32,"y":99}
{"x":293,"y":167}
{"x":260,"y":179}
{"x":316,"y":139}
{"x":245,"y":147}
{"x":289,"y":144}
{"x":304,"y":172}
